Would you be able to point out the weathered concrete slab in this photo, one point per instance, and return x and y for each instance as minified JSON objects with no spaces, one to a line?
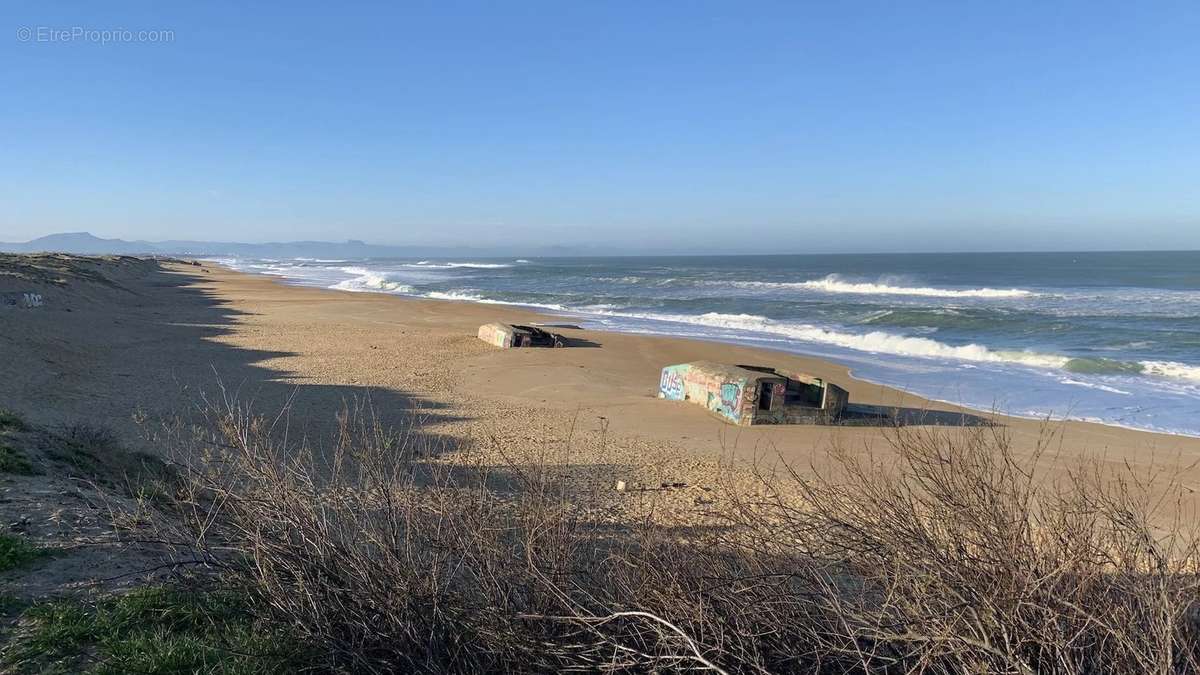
{"x":508,"y":336}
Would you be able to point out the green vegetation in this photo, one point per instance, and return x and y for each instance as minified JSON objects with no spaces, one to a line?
{"x":16,"y":551}
{"x":157,"y":629}
{"x":10,"y":421}
{"x":10,"y":605}
{"x":12,"y":460}
{"x":94,"y":452}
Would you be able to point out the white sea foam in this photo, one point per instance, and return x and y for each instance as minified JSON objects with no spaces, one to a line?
{"x":1093,"y":385}
{"x":368,"y":280}
{"x":1171,"y":369}
{"x":875,"y":341}
{"x":468,"y":297}
{"x":427,"y":265}
{"x":835,"y":284}
{"x":881,"y":342}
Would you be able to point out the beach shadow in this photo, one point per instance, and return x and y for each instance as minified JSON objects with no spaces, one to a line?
{"x":511,"y":479}
{"x":150,"y":344}
{"x":577,"y":342}
{"x":863,"y":415}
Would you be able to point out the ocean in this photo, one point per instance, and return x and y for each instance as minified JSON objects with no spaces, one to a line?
{"x":1105,"y":337}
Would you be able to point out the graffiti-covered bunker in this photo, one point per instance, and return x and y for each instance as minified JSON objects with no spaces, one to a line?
{"x":748,"y":395}
{"x":510,"y":335}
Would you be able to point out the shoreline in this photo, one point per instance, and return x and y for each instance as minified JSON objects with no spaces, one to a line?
{"x":552,"y":313}
{"x":862,"y":390}
{"x":168,"y":333}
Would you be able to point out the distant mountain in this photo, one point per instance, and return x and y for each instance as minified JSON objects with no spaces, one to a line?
{"x":84,"y":243}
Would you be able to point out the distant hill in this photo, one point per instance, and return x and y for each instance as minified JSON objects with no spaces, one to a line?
{"x":85,"y":243}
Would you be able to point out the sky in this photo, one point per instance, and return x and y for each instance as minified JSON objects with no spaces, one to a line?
{"x":654,"y":127}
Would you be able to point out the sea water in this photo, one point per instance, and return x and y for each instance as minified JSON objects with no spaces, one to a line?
{"x":1107,"y":337}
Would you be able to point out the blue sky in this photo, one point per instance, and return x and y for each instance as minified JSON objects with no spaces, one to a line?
{"x":772,"y":127}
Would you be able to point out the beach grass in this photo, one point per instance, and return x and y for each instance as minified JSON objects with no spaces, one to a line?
{"x":94,"y":453}
{"x":10,"y":421}
{"x":155,"y":629}
{"x":16,"y":552}
{"x":13,"y":460}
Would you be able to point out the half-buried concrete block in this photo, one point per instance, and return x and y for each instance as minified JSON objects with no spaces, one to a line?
{"x":746,"y":395}
{"x":508,"y":336}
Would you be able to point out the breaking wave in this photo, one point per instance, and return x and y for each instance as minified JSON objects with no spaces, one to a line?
{"x":368,"y":281}
{"x":468,"y":297}
{"x":835,"y":284}
{"x":902,"y":345}
{"x":875,"y":341}
{"x":428,"y":265}
{"x":1181,"y":371}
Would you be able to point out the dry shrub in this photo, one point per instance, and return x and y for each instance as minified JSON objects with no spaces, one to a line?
{"x":958,"y":556}
{"x":952,"y":557}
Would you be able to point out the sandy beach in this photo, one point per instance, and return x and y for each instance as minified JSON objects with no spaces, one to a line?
{"x":154,"y":339}
{"x":509,"y":453}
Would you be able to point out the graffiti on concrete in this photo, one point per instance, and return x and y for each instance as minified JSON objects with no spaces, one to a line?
{"x":671,"y":385}
{"x":731,"y":395}
{"x":727,"y":401}
{"x":26,"y":300}
{"x":748,"y":395}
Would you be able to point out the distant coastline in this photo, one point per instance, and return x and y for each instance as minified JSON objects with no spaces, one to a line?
{"x":85,"y":243}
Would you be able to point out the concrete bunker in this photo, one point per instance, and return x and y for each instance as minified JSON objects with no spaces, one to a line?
{"x":746,"y":395}
{"x":508,"y":336}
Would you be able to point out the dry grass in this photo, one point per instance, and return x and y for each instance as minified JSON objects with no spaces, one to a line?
{"x":950,"y":557}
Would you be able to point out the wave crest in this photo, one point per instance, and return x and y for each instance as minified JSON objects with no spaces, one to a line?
{"x":369,"y":281}
{"x":469,"y":297}
{"x":429,"y":265}
{"x":1181,"y":371}
{"x":835,"y":284}
{"x":874,"y":342}
{"x":901,"y":345}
